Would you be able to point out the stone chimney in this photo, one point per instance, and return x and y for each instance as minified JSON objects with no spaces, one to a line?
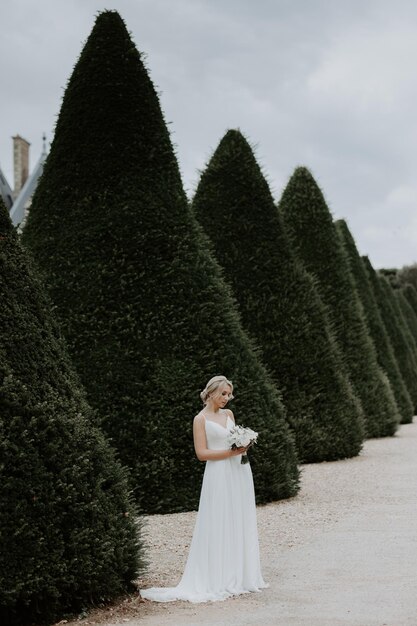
{"x":20,"y":163}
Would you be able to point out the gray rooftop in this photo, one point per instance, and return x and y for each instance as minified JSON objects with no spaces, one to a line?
{"x":5,"y":191}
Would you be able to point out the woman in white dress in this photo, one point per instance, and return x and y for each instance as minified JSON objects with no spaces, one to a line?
{"x":223,"y":560}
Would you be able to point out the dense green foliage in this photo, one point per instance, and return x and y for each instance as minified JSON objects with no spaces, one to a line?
{"x":392,"y":275}
{"x":315,"y":239}
{"x":408,"y":313}
{"x":68,"y":536}
{"x":278,"y":302}
{"x":408,"y":275}
{"x":396,"y":329}
{"x":143,"y":305}
{"x":376,"y":327}
{"x":411,"y":294}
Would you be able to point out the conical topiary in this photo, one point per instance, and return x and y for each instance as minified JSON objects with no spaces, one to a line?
{"x":316,"y":241}
{"x":397,"y":332}
{"x":407,"y":275}
{"x":408,"y":313}
{"x":376,"y":327}
{"x":278,"y":302}
{"x":68,"y":536}
{"x":411,"y":294}
{"x":142,"y":303}
{"x":392,"y":275}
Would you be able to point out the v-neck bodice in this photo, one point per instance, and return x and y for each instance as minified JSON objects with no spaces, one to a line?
{"x":217,"y":434}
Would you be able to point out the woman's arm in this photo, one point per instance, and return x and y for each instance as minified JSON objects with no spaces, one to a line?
{"x":200,"y":444}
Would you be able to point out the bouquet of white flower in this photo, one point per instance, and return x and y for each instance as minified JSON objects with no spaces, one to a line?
{"x":241,"y":437}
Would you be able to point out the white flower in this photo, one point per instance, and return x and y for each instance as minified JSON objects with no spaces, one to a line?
{"x":241,"y":437}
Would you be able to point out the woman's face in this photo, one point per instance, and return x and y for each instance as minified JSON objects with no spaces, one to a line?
{"x":223,"y":395}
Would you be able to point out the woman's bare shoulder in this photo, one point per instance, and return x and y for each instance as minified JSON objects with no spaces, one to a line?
{"x":230,"y":414}
{"x":199,"y":418}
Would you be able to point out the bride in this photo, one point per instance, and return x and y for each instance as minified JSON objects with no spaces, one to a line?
{"x":223,"y":560}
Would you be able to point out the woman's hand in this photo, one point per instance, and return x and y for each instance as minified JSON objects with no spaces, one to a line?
{"x":237,"y":451}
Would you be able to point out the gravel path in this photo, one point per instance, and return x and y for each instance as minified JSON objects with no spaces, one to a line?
{"x":342,"y":552}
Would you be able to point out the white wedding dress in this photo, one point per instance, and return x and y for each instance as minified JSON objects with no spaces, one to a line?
{"x":223,"y":560}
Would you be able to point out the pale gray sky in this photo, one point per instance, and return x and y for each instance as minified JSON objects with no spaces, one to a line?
{"x":329,"y":84}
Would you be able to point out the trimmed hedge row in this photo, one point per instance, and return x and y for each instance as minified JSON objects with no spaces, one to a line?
{"x":376,"y":327}
{"x":142,"y":303}
{"x":278,"y":302}
{"x":401,"y":340}
{"x":314,"y":236}
{"x":408,"y":313}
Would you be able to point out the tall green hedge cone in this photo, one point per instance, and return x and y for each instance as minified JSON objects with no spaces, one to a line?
{"x":376,"y":327}
{"x":68,"y":536}
{"x":314,"y":236}
{"x":407,"y":275}
{"x":142,"y":302}
{"x":397,"y":331}
{"x":278,"y":302}
{"x":408,"y":313}
{"x":401,"y":320}
{"x":392,"y":274}
{"x":411,"y":294}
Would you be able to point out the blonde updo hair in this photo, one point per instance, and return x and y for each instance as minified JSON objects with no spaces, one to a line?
{"x":212,"y":387}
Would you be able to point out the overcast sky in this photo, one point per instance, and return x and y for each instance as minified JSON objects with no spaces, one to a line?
{"x":329,"y":84}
